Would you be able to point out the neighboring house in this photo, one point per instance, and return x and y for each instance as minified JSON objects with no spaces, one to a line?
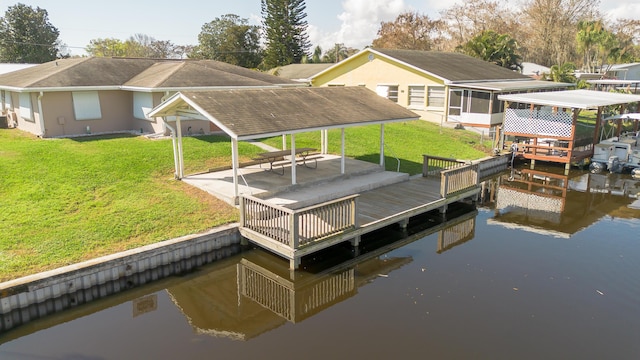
{"x":439,"y":86}
{"x":300,"y":72}
{"x":534,"y":70}
{"x":105,"y":95}
{"x":7,"y":68}
{"x":624,"y":71}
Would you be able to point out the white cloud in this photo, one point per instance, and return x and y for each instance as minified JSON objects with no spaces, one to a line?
{"x":622,"y":10}
{"x":360,"y":21}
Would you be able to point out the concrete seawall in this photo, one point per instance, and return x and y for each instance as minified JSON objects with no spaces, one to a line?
{"x":38,"y":295}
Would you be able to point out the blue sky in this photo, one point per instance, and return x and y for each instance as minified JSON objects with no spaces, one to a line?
{"x":352,"y":22}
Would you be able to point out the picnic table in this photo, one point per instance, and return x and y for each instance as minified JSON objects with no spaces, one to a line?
{"x":275,"y":158}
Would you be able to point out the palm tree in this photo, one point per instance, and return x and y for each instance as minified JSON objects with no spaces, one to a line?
{"x":500,"y":49}
{"x":590,"y":33}
{"x":563,"y":73}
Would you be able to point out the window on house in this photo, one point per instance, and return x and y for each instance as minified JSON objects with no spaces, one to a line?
{"x":498,"y":106}
{"x":435,"y":96}
{"x":7,"y":100}
{"x":26,"y":111}
{"x":388,"y":91}
{"x":142,"y":105}
{"x":455,"y":102}
{"x":86,"y":105}
{"x":416,"y":96}
{"x":479,"y":102}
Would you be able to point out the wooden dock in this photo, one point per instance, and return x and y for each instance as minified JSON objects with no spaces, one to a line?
{"x":294,"y":233}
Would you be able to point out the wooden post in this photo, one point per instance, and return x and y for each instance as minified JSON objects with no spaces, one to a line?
{"x":235,"y":165}
{"x":293,"y":228}
{"x":573,"y":135}
{"x":294,"y":179}
{"x":180,"y":155}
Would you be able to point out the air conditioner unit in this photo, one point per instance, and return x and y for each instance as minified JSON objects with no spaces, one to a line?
{"x":12,"y":119}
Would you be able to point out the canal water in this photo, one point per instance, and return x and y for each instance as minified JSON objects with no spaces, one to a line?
{"x":546,"y":266}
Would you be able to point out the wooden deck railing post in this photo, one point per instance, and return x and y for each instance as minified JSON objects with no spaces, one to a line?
{"x":294,"y":226}
{"x":425,"y":165}
{"x":242,"y":211}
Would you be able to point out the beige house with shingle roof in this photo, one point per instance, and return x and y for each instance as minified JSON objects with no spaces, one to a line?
{"x":93,"y":95}
{"x":440,"y":86}
{"x":300,"y":72}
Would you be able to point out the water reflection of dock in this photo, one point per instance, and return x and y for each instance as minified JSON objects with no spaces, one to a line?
{"x":556,"y":204}
{"x":259,"y":293}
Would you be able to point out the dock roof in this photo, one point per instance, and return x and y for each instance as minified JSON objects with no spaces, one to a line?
{"x":575,"y":99}
{"x":254,"y":113}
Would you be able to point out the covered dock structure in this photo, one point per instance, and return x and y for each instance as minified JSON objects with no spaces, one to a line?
{"x":306,"y":218}
{"x":543,"y":124}
{"x":251,"y":114}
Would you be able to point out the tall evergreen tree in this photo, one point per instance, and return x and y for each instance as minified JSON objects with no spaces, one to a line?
{"x":285,"y":30}
{"x":230,"y":39}
{"x":27,"y":36}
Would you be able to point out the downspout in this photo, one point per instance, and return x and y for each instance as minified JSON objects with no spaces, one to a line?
{"x":41,"y":115}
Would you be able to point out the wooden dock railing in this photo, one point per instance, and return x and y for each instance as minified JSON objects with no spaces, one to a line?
{"x":300,"y":227}
{"x":434,"y":165}
{"x":458,"y":179}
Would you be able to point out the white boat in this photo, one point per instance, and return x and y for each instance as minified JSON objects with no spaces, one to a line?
{"x":618,"y":153}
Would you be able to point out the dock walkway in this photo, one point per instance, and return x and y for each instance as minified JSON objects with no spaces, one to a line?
{"x":293,"y":231}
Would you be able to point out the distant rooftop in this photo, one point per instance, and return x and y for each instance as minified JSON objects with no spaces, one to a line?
{"x":7,"y":68}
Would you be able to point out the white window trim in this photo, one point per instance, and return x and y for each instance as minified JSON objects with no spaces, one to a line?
{"x":383,"y":90}
{"x":142,"y":105}
{"x":424,"y":96}
{"x":26,"y":108}
{"x":86,"y":105}
{"x":444,"y":97}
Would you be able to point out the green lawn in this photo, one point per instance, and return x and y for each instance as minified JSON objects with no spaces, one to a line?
{"x":64,"y":201}
{"x":407,"y":141}
{"x":587,"y":122}
{"x":67,"y":200}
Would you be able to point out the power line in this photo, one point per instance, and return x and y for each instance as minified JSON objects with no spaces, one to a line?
{"x":43,"y":45}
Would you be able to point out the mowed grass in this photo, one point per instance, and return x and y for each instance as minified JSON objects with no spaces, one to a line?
{"x":67,"y":200}
{"x":63,"y":201}
{"x":406,"y":141}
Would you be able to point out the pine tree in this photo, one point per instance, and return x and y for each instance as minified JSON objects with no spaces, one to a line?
{"x":285,"y":29}
{"x":27,"y":36}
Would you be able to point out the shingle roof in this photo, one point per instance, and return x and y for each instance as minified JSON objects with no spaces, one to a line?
{"x":299,"y":71}
{"x":452,"y":66}
{"x":251,"y":113}
{"x":145,"y":73}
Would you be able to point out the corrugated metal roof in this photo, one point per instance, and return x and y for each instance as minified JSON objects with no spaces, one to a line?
{"x":515,"y":85}
{"x":253,"y":113}
{"x":578,"y":99}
